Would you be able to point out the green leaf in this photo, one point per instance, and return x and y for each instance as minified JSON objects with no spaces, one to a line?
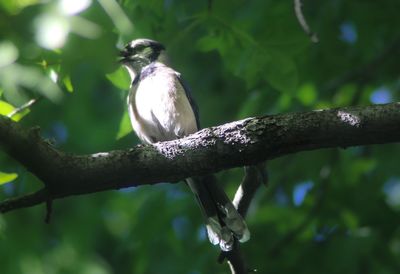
{"x":209,"y":43}
{"x":350,"y":219}
{"x":280,"y":71}
{"x":13,"y":7}
{"x":345,"y":95}
{"x":125,"y":126}
{"x":68,"y":84}
{"x":16,"y":77}
{"x":7,"y":177}
{"x":359,"y":168}
{"x":284,"y":102}
{"x":6,"y":109}
{"x":8,"y":53}
{"x":307,"y":94}
{"x":120,"y":78}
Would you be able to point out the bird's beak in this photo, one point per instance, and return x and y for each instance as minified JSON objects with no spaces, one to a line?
{"x":123,"y":56}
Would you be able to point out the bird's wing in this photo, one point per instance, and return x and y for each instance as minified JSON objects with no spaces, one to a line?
{"x":190,"y":98}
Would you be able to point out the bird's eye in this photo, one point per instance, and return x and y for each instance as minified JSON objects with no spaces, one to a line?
{"x":138,"y":48}
{"x":133,"y":50}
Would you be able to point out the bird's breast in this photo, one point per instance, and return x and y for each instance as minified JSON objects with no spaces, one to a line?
{"x":161,"y":110}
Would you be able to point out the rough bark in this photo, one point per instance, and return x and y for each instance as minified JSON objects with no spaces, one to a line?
{"x":240,"y":143}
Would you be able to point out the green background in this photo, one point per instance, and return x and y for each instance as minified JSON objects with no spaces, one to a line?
{"x":326,"y":211}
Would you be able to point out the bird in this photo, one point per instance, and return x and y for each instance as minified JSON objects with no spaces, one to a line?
{"x":161,"y":108}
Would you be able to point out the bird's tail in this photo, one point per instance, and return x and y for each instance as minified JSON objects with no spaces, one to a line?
{"x":223,"y":221}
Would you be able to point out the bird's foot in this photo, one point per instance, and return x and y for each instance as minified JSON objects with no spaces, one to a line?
{"x":235,"y":222}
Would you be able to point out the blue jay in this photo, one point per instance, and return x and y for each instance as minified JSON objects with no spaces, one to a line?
{"x":160,"y":109}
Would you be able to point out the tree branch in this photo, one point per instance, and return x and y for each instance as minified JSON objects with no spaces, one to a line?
{"x":24,"y":106}
{"x":240,"y":143}
{"x":24,"y":201}
{"x":254,"y":177}
{"x":302,"y":21}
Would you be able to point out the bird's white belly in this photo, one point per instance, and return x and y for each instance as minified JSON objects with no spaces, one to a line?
{"x":162,"y":110}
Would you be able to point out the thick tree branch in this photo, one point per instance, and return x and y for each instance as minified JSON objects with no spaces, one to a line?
{"x":239,"y":143}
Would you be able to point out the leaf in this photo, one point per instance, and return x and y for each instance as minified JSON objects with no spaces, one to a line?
{"x":256,"y":63}
{"x":307,"y":94}
{"x":120,"y":78}
{"x":7,"y":177}
{"x":345,"y":95}
{"x":284,"y":103}
{"x":16,"y":77}
{"x":280,"y":71}
{"x":68,"y":84}
{"x":13,"y":7}
{"x":359,"y":168}
{"x":209,"y":43}
{"x":350,"y":219}
{"x":8,"y":53}
{"x":6,"y":108}
{"x":125,"y":126}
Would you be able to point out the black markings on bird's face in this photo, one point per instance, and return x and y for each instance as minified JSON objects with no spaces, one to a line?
{"x":141,"y":50}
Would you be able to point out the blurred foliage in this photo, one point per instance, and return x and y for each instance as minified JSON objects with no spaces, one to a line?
{"x":7,"y":177}
{"x":329,"y":211}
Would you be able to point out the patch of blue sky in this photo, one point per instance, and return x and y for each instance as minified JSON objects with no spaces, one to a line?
{"x":300,"y":191}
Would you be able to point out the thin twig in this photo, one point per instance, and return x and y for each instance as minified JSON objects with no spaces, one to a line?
{"x":24,"y":106}
{"x":24,"y":201}
{"x":302,"y":21}
{"x":254,"y":177}
{"x":236,"y":261}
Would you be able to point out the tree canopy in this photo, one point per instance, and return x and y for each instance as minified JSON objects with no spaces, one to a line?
{"x":333,"y":210}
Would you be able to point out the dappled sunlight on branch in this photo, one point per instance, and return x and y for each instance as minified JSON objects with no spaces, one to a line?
{"x":349,"y":118}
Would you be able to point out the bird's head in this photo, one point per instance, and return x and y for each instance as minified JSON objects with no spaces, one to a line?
{"x":139,"y":53}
